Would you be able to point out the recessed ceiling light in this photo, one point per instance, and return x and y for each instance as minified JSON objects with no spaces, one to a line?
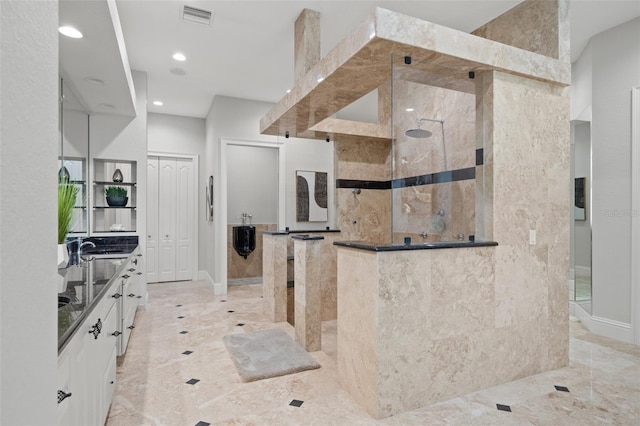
{"x":179,"y":57}
{"x":70,"y":32}
{"x":409,"y":109}
{"x":158,"y":103}
{"x":95,"y":81}
{"x":288,"y":90}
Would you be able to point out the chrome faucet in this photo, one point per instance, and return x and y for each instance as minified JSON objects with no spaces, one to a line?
{"x":85,"y":243}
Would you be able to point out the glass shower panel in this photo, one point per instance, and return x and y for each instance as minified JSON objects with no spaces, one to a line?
{"x":435,"y":152}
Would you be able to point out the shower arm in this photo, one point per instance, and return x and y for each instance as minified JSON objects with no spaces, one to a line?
{"x":422,"y":120}
{"x":444,"y":147}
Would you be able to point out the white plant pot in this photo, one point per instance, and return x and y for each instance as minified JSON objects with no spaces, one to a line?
{"x":63,"y":256}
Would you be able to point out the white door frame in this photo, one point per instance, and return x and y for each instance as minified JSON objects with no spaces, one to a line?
{"x":221,"y":224}
{"x":194,"y":206}
{"x":635,"y":215}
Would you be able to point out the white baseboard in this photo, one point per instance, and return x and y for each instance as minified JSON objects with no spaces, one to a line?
{"x":602,"y":326}
{"x":217,"y":288}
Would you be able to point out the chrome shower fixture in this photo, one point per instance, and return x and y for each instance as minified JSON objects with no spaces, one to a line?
{"x":356,"y":191}
{"x":419,"y":132}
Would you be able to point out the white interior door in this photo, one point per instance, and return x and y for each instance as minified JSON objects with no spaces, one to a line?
{"x":184,"y":223}
{"x":167,"y":220}
{"x":152,"y":219}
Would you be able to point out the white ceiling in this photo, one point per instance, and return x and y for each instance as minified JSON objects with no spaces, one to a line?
{"x":248,"y":50}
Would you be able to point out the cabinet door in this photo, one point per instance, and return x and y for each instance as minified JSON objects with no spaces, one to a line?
{"x":152,"y":219}
{"x":184,"y":222}
{"x":167,"y":220}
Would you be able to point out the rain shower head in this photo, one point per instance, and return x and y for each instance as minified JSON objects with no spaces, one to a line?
{"x":418,"y":133}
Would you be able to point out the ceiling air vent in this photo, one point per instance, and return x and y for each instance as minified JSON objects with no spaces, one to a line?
{"x":199,"y":16}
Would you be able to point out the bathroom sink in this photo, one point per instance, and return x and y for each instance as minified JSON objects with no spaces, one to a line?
{"x":63,"y":301}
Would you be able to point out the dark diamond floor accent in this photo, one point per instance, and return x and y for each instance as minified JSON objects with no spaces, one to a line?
{"x":223,"y":300}
{"x":180,"y":317}
{"x":192,"y":381}
{"x":296,"y":403}
{"x":183,"y":332}
{"x":201,"y":423}
{"x":187,"y":352}
{"x":503,"y":407}
{"x":562,"y":388}
{"x":177,"y":306}
{"x":230,"y":311}
{"x":239,"y":324}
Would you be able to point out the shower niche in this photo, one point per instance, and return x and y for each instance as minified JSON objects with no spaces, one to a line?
{"x":437,"y":152}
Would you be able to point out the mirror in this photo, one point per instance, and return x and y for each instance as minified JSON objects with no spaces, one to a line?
{"x":74,"y":153}
{"x":580,"y":256}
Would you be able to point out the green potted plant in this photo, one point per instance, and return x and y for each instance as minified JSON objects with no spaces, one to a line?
{"x":67,"y":193}
{"x":116,"y":196}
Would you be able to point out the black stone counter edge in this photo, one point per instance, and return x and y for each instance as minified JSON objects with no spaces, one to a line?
{"x":307,"y":237}
{"x":313,"y":231}
{"x":415,"y":246}
{"x":68,"y":335}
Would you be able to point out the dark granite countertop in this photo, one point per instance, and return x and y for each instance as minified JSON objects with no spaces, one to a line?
{"x":298,"y":231}
{"x":369,"y":246}
{"x":85,"y":284}
{"x":306,"y":237}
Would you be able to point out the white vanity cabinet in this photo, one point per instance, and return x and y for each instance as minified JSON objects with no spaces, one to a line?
{"x":131,"y":290}
{"x":87,"y":366}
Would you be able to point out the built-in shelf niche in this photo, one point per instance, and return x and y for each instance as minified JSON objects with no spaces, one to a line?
{"x":77,"y":168}
{"x":107,"y":218}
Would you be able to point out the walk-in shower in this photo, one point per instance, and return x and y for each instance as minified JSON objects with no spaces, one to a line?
{"x":434,"y":166}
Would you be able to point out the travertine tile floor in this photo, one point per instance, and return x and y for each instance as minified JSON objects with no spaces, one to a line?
{"x":179,"y":338}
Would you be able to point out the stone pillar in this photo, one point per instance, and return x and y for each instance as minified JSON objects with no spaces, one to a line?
{"x":306,"y":42}
{"x":274,"y":275}
{"x":308,"y":291}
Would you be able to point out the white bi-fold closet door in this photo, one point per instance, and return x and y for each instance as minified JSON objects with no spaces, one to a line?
{"x":170,"y":226}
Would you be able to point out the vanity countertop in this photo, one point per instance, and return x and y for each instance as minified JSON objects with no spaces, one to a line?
{"x":85,"y":285}
{"x":378,"y":247}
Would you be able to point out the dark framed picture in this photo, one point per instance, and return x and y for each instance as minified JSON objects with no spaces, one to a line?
{"x":311,"y":196}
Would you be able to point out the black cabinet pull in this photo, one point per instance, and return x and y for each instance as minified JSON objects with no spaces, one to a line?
{"x":62,"y":395}
{"x":131,"y":269}
{"x":131,"y":295}
{"x":139,"y":297}
{"x":117,"y":296}
{"x":125,"y":276}
{"x":96,"y":329}
{"x":139,"y":255}
{"x":116,"y":333}
{"x":138,"y":273}
{"x":131,"y":327}
{"x":134,"y":261}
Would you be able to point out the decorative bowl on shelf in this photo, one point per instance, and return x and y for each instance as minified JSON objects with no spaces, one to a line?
{"x":117,"y":201}
{"x":117,"y":227}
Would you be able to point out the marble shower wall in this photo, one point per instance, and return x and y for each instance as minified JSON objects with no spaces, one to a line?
{"x":527,"y":160}
{"x":452,"y":146}
{"x":239,"y":267}
{"x":365,"y":216}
